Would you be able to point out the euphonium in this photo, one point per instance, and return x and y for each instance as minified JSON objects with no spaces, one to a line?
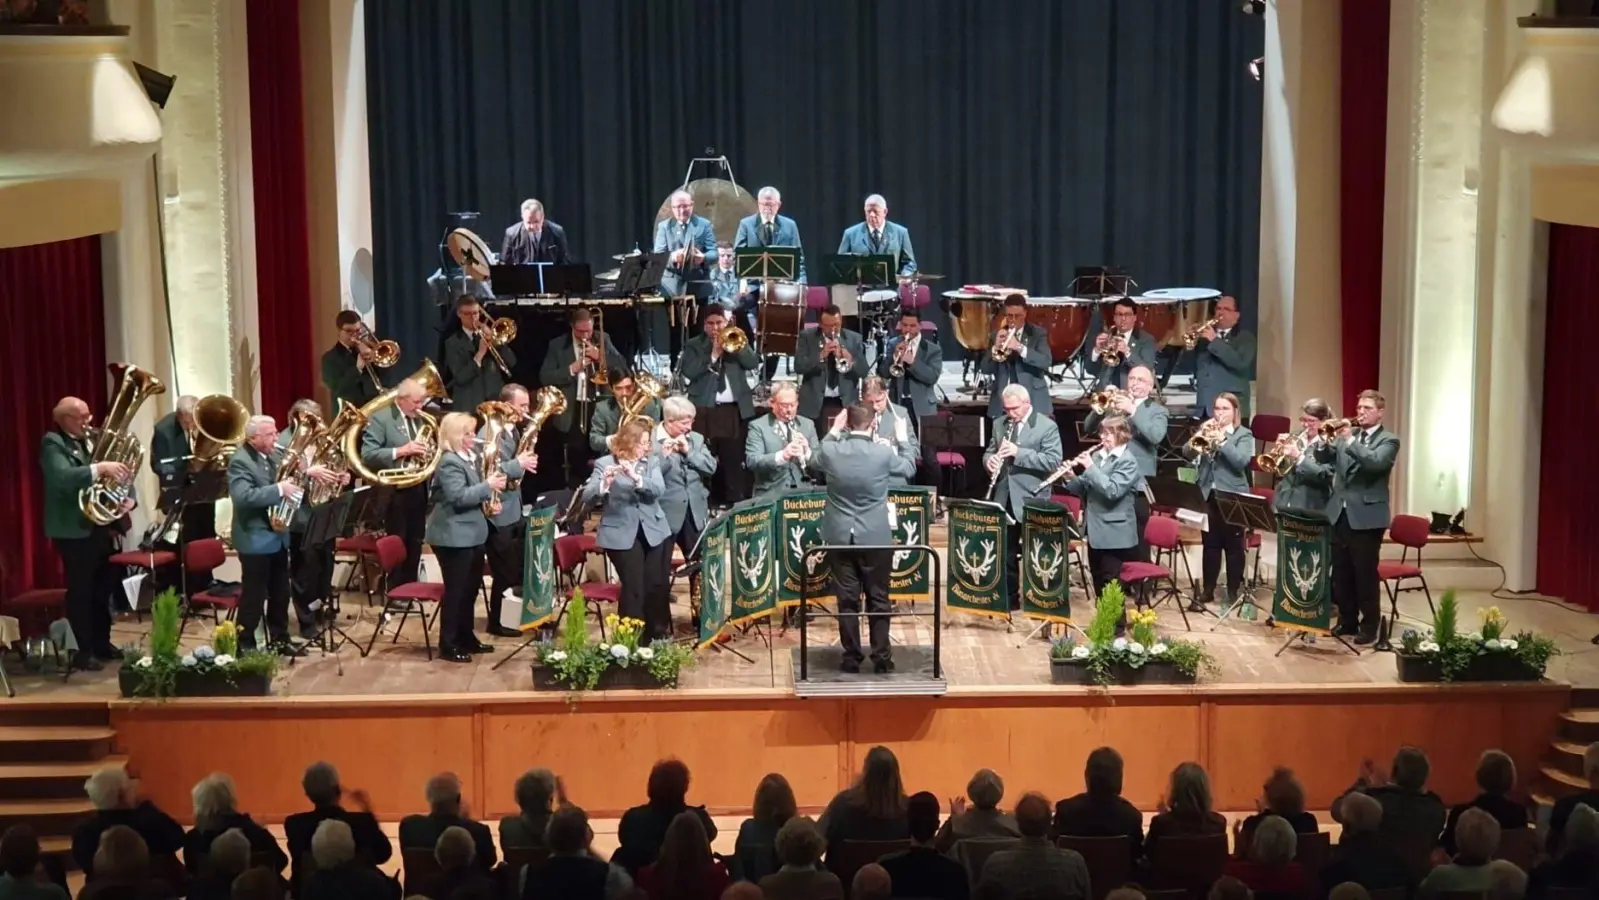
{"x":328,"y":452}
{"x":1329,"y":429}
{"x":646,"y":389}
{"x":296,"y":462}
{"x":734,"y":339}
{"x":1191,"y":337}
{"x":1207,"y":438}
{"x":1104,"y":401}
{"x":219,"y":421}
{"x":498,"y":418}
{"x":114,"y":441}
{"x":548,"y":401}
{"x":413,"y":470}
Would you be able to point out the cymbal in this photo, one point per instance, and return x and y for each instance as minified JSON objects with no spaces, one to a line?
{"x":622,"y":257}
{"x":609,"y":275}
{"x":719,"y":200}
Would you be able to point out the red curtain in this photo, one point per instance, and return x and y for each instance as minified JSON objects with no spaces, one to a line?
{"x":43,"y":358}
{"x":1567,"y":494}
{"x":283,"y":266}
{"x":1363,"y":117}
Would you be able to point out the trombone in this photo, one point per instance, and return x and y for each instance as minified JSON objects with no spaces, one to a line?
{"x":496,"y":333}
{"x":385,"y":353}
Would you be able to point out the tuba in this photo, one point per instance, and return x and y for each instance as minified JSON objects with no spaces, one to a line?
{"x":498,"y":418}
{"x":114,"y":441}
{"x":413,"y":470}
{"x":219,"y":421}
{"x":328,"y":451}
{"x":646,"y":389}
{"x":547,"y":402}
{"x":296,"y":462}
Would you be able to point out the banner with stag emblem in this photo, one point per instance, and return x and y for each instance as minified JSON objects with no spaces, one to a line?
{"x":754,"y":556}
{"x":538,"y":574}
{"x":1046,"y":562}
{"x":977,"y":584}
{"x":910,"y":574}
{"x":1302,"y":601}
{"x":799,"y":525}
{"x":715,"y":551}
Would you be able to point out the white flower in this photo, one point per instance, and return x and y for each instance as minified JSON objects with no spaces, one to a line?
{"x":1080,"y":652}
{"x":1509,"y":644}
{"x":556,"y":656}
{"x":1427,"y":647}
{"x":224,"y":660}
{"x":1120,"y":644}
{"x":1157,"y":650}
{"x":204,"y":653}
{"x":1136,"y":647}
{"x":144,"y":662}
{"x":189,"y":661}
{"x":619,"y":651}
{"x":646,"y":653}
{"x":1492,"y":644}
{"x":1475,"y":636}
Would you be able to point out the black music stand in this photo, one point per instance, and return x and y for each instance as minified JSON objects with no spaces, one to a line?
{"x":1246,"y":511}
{"x":368,"y":513}
{"x":640,"y":273}
{"x":952,"y":433}
{"x":324,"y":527}
{"x":1095,"y":282}
{"x":207,"y":485}
{"x":859,"y":269}
{"x":1174,"y":493}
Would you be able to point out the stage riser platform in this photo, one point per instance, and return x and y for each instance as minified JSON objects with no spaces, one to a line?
{"x":1036,"y":738}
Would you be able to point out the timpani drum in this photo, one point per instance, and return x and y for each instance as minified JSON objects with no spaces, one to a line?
{"x":974,"y":318}
{"x":780,"y":316}
{"x":1195,"y":306}
{"x":1065,"y":320}
{"x":1156,"y":315}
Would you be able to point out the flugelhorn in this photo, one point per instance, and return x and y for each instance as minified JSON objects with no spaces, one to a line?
{"x":1329,"y":429}
{"x":1114,"y":355}
{"x":1191,"y":337}
{"x":998,"y":352}
{"x":1275,"y":459}
{"x":1207,"y":438}
{"x":1104,"y":401}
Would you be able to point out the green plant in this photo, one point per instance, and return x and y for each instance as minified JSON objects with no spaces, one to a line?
{"x":1453,"y":651}
{"x":1534,"y":650}
{"x":1107,"y":612}
{"x":578,"y":663}
{"x":668,"y":659}
{"x":1104,"y":653}
{"x":158,"y":670}
{"x":166,"y":616}
{"x":1444,"y":621}
{"x":1191,"y":657}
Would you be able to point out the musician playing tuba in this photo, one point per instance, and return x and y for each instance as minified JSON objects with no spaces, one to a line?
{"x":504,"y":547}
{"x":399,"y":448}
{"x":310,"y":565}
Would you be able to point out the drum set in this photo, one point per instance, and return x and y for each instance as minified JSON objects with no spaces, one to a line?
{"x":1167,"y":314}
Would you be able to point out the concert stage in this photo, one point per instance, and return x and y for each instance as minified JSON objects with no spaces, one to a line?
{"x":393,"y":719}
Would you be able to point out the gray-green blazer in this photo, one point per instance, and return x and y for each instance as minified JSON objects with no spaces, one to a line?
{"x":1360,"y":480}
{"x":1228,"y":468}
{"x":814,"y":373}
{"x":608,"y":417}
{"x":688,"y":479}
{"x":1038,"y":454}
{"x":1148,"y":424}
{"x":458,"y":494}
{"x":1307,"y":487}
{"x":761,"y":445}
{"x":253,"y":488}
{"x":510,"y":501}
{"x":385,"y":434}
{"x":1108,"y":488}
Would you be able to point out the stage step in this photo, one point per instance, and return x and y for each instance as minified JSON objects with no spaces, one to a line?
{"x":1561,"y":784}
{"x":47,"y":751}
{"x":1580,"y":725}
{"x":47,"y":816}
{"x":54,"y":743}
{"x":34,"y":713}
{"x":1566,"y":756}
{"x":21,"y":781}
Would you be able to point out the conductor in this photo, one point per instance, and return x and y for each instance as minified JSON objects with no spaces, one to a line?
{"x":859,"y":468}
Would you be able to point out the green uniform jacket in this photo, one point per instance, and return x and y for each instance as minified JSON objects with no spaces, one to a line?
{"x":66,"y":472}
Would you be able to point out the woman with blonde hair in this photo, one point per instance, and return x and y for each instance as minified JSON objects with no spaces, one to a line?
{"x":633,"y":532}
{"x":457,"y":529}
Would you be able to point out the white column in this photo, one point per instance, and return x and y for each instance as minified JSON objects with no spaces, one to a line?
{"x":1299,"y":354}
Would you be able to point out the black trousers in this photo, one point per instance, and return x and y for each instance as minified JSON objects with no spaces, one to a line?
{"x":1355,"y":585}
{"x":831,"y":407}
{"x":686,"y":536}
{"x":505,"y":564}
{"x":724,"y":430}
{"x":407,"y":520}
{"x":462,"y":569}
{"x":1105,"y":566}
{"x":641,"y":572}
{"x":856,"y":572}
{"x":1013,"y":565}
{"x":92,"y":584}
{"x":577,"y":458}
{"x":1140,"y":553}
{"x":310,"y":578}
{"x":1222,"y":540}
{"x":265,"y":578}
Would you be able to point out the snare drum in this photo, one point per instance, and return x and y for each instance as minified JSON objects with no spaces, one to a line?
{"x":974,"y":318}
{"x":780,"y":315}
{"x":1065,"y":320}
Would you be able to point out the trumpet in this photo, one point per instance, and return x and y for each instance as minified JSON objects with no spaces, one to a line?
{"x":1275,"y":459}
{"x":1191,"y":337}
{"x":1329,"y":429}
{"x":1104,"y":401}
{"x":897,"y":368}
{"x":385,"y":353}
{"x":1116,"y":349}
{"x":841,"y":364}
{"x":1207,"y":438}
{"x":998,"y":352}
{"x":794,"y":439}
{"x":496,"y":333}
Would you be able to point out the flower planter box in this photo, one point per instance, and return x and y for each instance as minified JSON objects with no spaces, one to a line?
{"x":196,"y":685}
{"x":1071,"y":671}
{"x":613,"y":678}
{"x":1485,"y":667}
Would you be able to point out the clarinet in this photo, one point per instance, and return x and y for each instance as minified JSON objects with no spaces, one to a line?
{"x":1004,"y":464}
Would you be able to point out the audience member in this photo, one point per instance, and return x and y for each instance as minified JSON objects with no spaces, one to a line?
{"x":1125,"y":893}
{"x":1477,"y":835}
{"x":227,"y":859}
{"x":321,"y":786}
{"x":982,"y":820}
{"x":643,"y":828}
{"x":570,"y":872}
{"x":1187,"y":812}
{"x":215,"y":811}
{"x":1564,"y":806}
{"x":755,"y":850}
{"x":873,"y":809}
{"x":1348,"y":891}
{"x":1496,"y":776}
{"x":1361,"y":857}
{"x":122,"y":869}
{"x":1577,"y":866}
{"x":684,"y":869}
{"x":336,"y":870}
{"x":1269,"y":867}
{"x":456,"y":852}
{"x":1506,"y":881}
{"x":115,"y":802}
{"x":871,"y":883}
{"x":800,"y":876}
{"x":743,"y":890}
{"x":1283,"y":796}
{"x":1101,"y":811}
{"x":19,"y":868}
{"x":445,"y":811}
{"x":1410,"y":812}
{"x":1037,"y":869}
{"x":259,"y":883}
{"x":1229,"y":888}
{"x":922,"y":871}
{"x":536,"y":794}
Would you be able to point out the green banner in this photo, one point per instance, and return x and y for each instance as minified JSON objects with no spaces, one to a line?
{"x":977,"y":560}
{"x":538,"y":571}
{"x":715,"y":549}
{"x":1046,"y":565}
{"x":799,"y":524}
{"x":754,"y":558}
{"x":1302,"y":601}
{"x":910,"y":575}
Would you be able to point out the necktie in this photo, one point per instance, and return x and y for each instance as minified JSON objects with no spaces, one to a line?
{"x":877,"y":240}
{"x":1364,"y":437}
{"x":768,"y":231}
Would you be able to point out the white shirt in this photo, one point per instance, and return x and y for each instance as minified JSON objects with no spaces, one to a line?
{"x":829,"y":390}
{"x":725,"y":395}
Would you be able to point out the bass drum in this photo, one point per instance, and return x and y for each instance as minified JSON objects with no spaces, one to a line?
{"x":717,"y":199}
{"x":780,"y":316}
{"x":973,"y":317}
{"x":1065,"y":320}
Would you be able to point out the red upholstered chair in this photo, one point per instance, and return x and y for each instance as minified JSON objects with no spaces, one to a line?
{"x":363,"y":554}
{"x":571,"y":557}
{"x":1267,"y":428}
{"x":1410,"y":532}
{"x":414,"y":596}
{"x":916,"y":300}
{"x":950,"y":463}
{"x":149,"y":561}
{"x":1079,"y":551}
{"x":1161,"y":533}
{"x":201,"y":558}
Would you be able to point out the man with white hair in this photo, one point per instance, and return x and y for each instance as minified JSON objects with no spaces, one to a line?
{"x":1023,"y":451}
{"x":1363,"y":855}
{"x":445,"y":811}
{"x":686,"y":466}
{"x":66,"y":458}
{"x":1477,"y":836}
{"x":535,"y":239}
{"x":216,"y":811}
{"x":877,"y":236}
{"x":1565,"y":805}
{"x":767,"y":229}
{"x":1147,"y":419}
{"x":115,"y":802}
{"x":690,"y":244}
{"x":780,"y":446}
{"x":338,"y":871}
{"x":389,"y":440}
{"x":1576,"y":867}
{"x":254,"y":488}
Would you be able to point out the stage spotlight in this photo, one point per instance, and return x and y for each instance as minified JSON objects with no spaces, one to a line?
{"x":157,"y":87}
{"x":1253,"y":7}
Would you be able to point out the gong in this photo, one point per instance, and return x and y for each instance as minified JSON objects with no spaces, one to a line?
{"x":717,"y":199}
